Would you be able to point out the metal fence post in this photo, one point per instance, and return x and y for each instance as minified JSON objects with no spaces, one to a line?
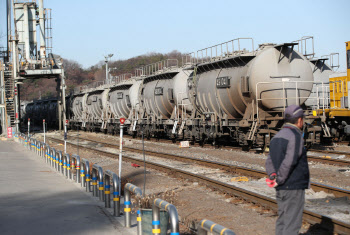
{"x":173,"y":216}
{"x":53,"y":158}
{"x":60,"y":169}
{"x":77,"y":166}
{"x":87,"y":175}
{"x":69,"y":173}
{"x":99,"y":173}
{"x":155,"y":220}
{"x":107,"y":184}
{"x":47,"y":151}
{"x":64,"y":166}
{"x":116,"y":197}
{"x":82,"y":173}
{"x":127,"y":202}
{"x":139,"y":222}
{"x":94,"y":183}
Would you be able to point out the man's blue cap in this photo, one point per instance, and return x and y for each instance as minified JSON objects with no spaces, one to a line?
{"x":293,"y":111}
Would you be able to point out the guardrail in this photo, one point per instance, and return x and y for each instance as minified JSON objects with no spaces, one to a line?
{"x":108,"y":183}
{"x":207,"y":227}
{"x":85,"y":175}
{"x":111,"y":176}
{"x":173,"y":216}
{"x":68,"y":166}
{"x":97,"y":176}
{"x":76,"y":161}
{"x":129,"y":188}
{"x":60,"y":161}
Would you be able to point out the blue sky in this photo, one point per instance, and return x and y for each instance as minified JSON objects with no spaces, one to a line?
{"x":85,"y":30}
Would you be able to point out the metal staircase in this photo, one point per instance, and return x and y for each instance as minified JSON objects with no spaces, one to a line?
{"x":10,"y":97}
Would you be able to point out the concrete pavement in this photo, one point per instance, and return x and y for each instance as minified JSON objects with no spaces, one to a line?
{"x":34,"y":199}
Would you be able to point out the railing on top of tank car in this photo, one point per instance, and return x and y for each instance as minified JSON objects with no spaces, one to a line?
{"x":332,"y":62}
{"x":159,"y":66}
{"x":221,"y":50}
{"x":284,"y":98}
{"x":120,"y":78}
{"x":302,"y":46}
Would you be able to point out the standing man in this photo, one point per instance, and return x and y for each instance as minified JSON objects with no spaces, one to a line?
{"x":288,"y":171}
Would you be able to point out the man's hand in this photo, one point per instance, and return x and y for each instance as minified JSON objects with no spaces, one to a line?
{"x":271,"y":181}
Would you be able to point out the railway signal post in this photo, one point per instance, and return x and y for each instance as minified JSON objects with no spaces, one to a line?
{"x":44,"y":131}
{"x":122,"y":120}
{"x":65,"y":136}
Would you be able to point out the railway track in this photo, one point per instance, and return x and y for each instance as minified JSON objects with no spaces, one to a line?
{"x":309,"y":216}
{"x":323,"y":160}
{"x":330,"y":161}
{"x":338,"y":192}
{"x":330,"y":152}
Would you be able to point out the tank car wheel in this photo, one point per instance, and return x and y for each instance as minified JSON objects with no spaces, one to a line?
{"x":193,"y":141}
{"x":246,"y":148}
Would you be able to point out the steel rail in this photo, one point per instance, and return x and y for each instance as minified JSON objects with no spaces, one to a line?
{"x":330,"y":152}
{"x":328,"y":161}
{"x":309,"y":216}
{"x":317,"y":187}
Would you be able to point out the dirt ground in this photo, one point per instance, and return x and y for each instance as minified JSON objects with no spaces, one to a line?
{"x":195,"y":202}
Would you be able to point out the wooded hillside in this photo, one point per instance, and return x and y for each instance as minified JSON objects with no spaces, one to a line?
{"x":76,"y":75}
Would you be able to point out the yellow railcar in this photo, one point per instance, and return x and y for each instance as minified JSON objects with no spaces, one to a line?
{"x":338,"y":113}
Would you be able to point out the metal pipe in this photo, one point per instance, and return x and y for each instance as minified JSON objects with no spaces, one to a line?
{"x":173,"y":216}
{"x":139,"y":222}
{"x":87,"y":175}
{"x":107,"y":184}
{"x":120,"y":155}
{"x":128,"y":188}
{"x":47,"y":153}
{"x":63,"y":85}
{"x":8,"y":8}
{"x":64,"y":166}
{"x":26,"y":32}
{"x":155,"y":220}
{"x":94,"y":183}
{"x":53,"y":157}
{"x":116,"y":196}
{"x":2,"y":98}
{"x":82,"y":174}
{"x":42,"y":31}
{"x":60,"y":169}
{"x":14,"y":74}
{"x":68,"y":171}
{"x":77,"y":166}
{"x":99,"y":173}
{"x":206,"y":227}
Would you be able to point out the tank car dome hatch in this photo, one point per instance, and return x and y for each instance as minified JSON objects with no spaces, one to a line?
{"x":280,"y":76}
{"x":266,"y":45}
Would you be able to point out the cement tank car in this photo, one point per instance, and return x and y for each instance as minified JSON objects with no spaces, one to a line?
{"x":219,"y":94}
{"x":242,"y":96}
